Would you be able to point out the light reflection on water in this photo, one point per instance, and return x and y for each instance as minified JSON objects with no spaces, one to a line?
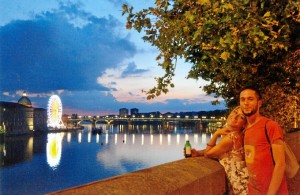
{"x":41,"y":164}
{"x":54,"y":147}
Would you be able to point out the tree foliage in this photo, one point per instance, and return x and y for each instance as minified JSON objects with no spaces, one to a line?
{"x":229,"y":43}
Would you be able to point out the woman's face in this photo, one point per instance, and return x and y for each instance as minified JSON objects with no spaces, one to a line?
{"x":236,"y":120}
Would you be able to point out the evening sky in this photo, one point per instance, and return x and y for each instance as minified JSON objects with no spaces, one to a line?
{"x":81,"y":51}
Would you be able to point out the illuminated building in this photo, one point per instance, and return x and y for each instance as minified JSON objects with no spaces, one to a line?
{"x":21,"y":117}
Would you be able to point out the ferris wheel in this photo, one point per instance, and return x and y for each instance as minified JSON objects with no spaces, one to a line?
{"x":54,"y":112}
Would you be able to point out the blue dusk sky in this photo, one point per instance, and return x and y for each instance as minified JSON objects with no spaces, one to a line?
{"x":81,"y":51}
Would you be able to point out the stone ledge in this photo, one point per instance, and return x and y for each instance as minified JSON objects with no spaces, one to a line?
{"x":187,"y":176}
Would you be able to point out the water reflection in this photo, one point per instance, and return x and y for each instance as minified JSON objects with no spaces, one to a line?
{"x":18,"y":149}
{"x":163,"y":139}
{"x":69,"y":137}
{"x":97,"y":138}
{"x":75,"y":158}
{"x":79,"y":137}
{"x":54,"y":148}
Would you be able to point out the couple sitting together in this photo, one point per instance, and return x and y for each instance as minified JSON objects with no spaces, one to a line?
{"x":244,"y":151}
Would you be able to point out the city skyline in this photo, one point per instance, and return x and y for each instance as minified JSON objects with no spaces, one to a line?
{"x":82,"y":52}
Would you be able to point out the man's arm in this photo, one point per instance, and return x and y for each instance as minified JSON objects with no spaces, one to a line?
{"x":279,"y":169}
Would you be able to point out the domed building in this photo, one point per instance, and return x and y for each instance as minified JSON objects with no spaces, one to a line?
{"x":21,"y":117}
{"x":24,"y":100}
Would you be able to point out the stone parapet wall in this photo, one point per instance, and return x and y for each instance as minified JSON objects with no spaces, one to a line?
{"x":187,"y":176}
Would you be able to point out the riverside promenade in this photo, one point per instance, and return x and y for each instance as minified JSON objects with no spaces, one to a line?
{"x":187,"y":176}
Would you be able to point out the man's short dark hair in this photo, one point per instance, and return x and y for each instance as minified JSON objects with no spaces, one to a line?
{"x":257,"y":92}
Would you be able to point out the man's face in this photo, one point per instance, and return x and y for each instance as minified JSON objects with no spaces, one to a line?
{"x":249,"y":102}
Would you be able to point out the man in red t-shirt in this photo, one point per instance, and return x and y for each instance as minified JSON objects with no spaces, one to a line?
{"x":265,"y":175}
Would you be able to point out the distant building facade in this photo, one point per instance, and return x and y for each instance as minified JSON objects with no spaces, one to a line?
{"x":21,"y":117}
{"x":123,"y":112}
{"x":134,"y":111}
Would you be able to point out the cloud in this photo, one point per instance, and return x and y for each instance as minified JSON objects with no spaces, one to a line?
{"x":132,"y":70}
{"x":126,"y":82}
{"x":66,"y":49}
{"x":87,"y":57}
{"x":118,"y":2}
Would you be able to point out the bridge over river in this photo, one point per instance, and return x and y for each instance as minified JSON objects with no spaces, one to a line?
{"x":201,"y":122}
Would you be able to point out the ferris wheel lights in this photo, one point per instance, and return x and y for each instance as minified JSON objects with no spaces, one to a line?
{"x":54,"y":112}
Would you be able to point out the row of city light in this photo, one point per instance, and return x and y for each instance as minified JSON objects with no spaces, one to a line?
{"x":124,"y":138}
{"x":143,"y":116}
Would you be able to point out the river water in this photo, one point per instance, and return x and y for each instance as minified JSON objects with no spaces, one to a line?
{"x":54,"y":161}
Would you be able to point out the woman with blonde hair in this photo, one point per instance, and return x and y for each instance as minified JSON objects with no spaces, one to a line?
{"x":230,"y":151}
